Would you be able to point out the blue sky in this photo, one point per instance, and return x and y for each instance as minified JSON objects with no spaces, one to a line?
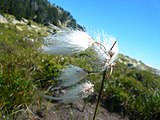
{"x":134,"y":23}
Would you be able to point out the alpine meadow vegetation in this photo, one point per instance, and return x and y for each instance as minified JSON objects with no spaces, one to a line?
{"x":31,"y":69}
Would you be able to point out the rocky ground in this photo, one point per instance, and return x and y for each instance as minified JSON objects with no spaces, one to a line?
{"x":54,"y":111}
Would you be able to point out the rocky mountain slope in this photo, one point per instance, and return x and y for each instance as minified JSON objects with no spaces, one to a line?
{"x":131,"y":62}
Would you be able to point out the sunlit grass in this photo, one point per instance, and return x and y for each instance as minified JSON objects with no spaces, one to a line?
{"x":19,"y":62}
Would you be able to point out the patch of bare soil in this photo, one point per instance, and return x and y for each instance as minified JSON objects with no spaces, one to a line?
{"x":78,"y":111}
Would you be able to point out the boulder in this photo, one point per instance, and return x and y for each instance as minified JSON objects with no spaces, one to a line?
{"x":3,"y":19}
{"x":14,"y":21}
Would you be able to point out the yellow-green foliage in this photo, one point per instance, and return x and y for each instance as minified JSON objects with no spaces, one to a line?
{"x":21,"y":66}
{"x":133,"y":92}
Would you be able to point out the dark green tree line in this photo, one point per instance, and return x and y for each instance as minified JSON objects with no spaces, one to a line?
{"x":40,"y":11}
